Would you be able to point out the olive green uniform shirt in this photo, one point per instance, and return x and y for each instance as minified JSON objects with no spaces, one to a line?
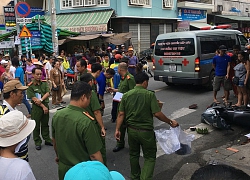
{"x":94,"y":104}
{"x":139,"y":105}
{"x":79,"y":74}
{"x":127,"y":83}
{"x":76,"y":137}
{"x":38,"y":88}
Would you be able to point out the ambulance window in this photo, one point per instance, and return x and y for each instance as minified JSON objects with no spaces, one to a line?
{"x":175,"y":47}
{"x":210,"y":44}
{"x":243,"y":40}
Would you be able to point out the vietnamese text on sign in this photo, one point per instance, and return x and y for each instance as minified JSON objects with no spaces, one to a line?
{"x":23,"y":20}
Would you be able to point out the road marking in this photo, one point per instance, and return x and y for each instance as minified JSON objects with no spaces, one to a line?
{"x":157,"y":90}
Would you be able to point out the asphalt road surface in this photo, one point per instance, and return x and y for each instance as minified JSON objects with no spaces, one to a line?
{"x":176,"y":100}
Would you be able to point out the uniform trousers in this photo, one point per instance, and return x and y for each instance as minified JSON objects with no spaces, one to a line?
{"x":146,"y":140}
{"x":42,"y":121}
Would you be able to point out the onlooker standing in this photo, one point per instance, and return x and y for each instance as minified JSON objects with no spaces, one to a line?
{"x":29,"y":67}
{"x":242,"y":72}
{"x":11,"y":135}
{"x":40,"y":66}
{"x":75,"y":136}
{"x":48,"y":67}
{"x":13,"y":95}
{"x":7,"y":75}
{"x":234,"y":62}
{"x":38,"y":92}
{"x":132,"y":61}
{"x":57,"y":83}
{"x":137,"y":108}
{"x":221,"y":64}
{"x":19,"y":75}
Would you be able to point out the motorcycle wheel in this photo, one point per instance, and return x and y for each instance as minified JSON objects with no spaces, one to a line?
{"x":69,"y":83}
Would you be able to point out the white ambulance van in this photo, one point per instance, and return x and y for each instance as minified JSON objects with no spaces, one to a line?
{"x":186,"y":57}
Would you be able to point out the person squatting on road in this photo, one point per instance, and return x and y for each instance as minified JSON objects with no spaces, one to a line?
{"x":74,"y":133}
{"x":137,"y":108}
{"x":39,"y":93}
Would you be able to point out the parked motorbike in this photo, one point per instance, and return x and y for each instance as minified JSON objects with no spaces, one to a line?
{"x":145,"y":64}
{"x":69,"y":80}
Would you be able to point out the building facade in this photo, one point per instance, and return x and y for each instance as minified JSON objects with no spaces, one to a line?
{"x":233,"y":12}
{"x":144,"y":18}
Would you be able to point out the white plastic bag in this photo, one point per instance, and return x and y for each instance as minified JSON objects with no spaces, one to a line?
{"x":174,"y":140}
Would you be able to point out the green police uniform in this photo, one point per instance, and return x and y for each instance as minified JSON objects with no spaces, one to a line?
{"x":127,"y":83}
{"x":139,"y":105}
{"x":79,"y":74}
{"x":76,"y":137}
{"x":39,"y":90}
{"x":93,"y":106}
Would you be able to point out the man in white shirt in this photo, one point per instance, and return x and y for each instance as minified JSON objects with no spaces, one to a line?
{"x":13,"y":95}
{"x":48,"y":67}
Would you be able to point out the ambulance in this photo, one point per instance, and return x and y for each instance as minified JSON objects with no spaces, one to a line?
{"x":186,"y":57}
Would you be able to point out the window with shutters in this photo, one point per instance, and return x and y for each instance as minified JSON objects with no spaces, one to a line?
{"x":66,"y":3}
{"x":89,"y":2}
{"x":139,"y":3}
{"x":77,"y":3}
{"x":102,"y":2}
{"x":167,"y":4}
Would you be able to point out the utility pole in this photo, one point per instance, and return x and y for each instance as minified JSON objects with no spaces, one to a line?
{"x":54,"y":27}
{"x":18,"y":32}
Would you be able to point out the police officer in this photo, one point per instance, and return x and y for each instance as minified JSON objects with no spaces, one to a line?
{"x":137,"y":108}
{"x":127,"y":83}
{"x":38,"y":92}
{"x":74,"y":132}
{"x":94,"y":110}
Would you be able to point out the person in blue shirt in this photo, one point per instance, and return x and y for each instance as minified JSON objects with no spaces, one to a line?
{"x":221,"y":65}
{"x":19,"y":75}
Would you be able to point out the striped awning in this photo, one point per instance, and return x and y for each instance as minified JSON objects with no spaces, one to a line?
{"x":94,"y":21}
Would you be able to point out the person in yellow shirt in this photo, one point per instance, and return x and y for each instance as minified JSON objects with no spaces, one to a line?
{"x":105,"y":62}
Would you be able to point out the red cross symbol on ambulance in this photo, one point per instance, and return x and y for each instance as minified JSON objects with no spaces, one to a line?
{"x":185,"y":62}
{"x":160,"y":62}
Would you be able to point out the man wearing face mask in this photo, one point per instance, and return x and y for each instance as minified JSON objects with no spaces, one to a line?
{"x":33,"y":58}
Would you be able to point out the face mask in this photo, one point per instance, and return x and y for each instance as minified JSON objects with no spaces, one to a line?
{"x":32,"y":57}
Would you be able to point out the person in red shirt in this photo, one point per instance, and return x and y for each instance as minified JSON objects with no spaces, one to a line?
{"x":3,"y":65}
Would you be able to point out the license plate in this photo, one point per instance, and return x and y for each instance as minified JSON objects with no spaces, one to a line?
{"x":172,"y":67}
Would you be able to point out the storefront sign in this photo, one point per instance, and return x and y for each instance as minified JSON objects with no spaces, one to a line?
{"x":7,"y":44}
{"x":90,"y":28}
{"x":183,"y":26}
{"x":36,"y":38}
{"x":9,"y":16}
{"x":192,"y":14}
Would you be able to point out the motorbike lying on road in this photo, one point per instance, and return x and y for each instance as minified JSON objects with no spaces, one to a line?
{"x":223,"y":117}
{"x":146,"y":67}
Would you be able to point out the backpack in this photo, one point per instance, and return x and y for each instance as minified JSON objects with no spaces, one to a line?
{"x":3,"y":110}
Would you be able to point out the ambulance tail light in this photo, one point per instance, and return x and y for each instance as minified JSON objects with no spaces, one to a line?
{"x":197,"y":64}
{"x":153,"y":60}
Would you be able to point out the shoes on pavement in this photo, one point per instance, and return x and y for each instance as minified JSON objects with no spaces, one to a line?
{"x":38,"y":148}
{"x":48,"y":143}
{"x":116,"y":149}
{"x":112,"y":120}
{"x":63,"y":102}
{"x":28,"y":116}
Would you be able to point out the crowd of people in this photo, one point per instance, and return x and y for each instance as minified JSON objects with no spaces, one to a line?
{"x":78,"y":132}
{"x":232,"y":70}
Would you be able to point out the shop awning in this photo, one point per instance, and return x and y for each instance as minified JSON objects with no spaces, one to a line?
{"x":199,"y":24}
{"x":119,"y":38}
{"x":235,"y":18}
{"x":93,"y":21}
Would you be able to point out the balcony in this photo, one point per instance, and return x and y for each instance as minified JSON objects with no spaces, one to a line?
{"x":196,"y":4}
